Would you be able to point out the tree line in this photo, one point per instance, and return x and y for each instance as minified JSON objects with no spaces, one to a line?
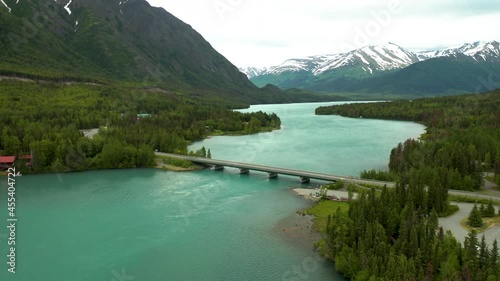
{"x":462,"y":139}
{"x":394,"y":235}
{"x":45,"y":120}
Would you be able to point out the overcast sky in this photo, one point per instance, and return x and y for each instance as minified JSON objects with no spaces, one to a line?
{"x":267,"y":32}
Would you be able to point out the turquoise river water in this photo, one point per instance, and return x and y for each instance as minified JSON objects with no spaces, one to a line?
{"x":148,"y":224}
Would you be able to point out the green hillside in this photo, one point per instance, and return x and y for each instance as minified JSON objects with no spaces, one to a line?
{"x":130,"y":44}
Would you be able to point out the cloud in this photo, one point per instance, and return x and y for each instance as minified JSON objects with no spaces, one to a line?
{"x":263,"y":33}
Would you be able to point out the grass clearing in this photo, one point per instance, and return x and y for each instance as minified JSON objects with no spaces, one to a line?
{"x":322,"y":210}
{"x":177,"y":165}
{"x":488,"y":222}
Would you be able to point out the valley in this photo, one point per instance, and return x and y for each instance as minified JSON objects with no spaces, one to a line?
{"x":108,"y":109}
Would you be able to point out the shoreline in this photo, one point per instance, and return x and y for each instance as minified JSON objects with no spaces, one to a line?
{"x":297,"y":228}
{"x":308,"y":193}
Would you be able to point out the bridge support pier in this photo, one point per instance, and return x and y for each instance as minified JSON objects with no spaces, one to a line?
{"x":305,"y":180}
{"x":218,"y":168}
{"x":273,"y":175}
{"x":244,"y":171}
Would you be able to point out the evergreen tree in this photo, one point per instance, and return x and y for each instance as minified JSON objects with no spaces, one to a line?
{"x":209,"y":154}
{"x":482,"y":210}
{"x":475,"y":219}
{"x":484,"y":254}
{"x":470,"y":257}
{"x":494,"y":258}
{"x":489,"y":210}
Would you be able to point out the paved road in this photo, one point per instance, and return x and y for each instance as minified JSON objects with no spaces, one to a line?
{"x":452,"y":223}
{"x":475,"y":194}
{"x":309,"y":174}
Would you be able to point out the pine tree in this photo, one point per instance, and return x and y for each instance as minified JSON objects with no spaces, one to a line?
{"x":475,"y":219}
{"x":470,"y":257}
{"x":494,"y":257}
{"x":490,"y":210}
{"x":484,"y":254}
{"x":482,"y":210}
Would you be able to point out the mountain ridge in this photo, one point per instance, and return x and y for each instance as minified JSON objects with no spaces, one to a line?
{"x":360,"y":69}
{"x":127,"y":42}
{"x":318,"y":64}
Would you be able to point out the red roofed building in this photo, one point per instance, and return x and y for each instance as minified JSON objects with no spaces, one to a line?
{"x":6,"y":162}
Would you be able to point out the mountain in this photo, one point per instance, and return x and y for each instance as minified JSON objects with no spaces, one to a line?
{"x":111,"y":41}
{"x":368,"y":59}
{"x":390,"y":69}
{"x":252,"y":72}
{"x":480,"y":51}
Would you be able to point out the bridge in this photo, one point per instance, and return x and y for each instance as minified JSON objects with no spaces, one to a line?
{"x":305,"y":176}
{"x":245,"y":168}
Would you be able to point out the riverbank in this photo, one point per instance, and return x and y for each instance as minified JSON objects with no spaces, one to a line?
{"x":310,"y":193}
{"x":160,"y":164}
{"x":452,"y":223}
{"x":298,"y":228}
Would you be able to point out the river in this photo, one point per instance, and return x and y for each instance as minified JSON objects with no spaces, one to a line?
{"x":148,"y":224}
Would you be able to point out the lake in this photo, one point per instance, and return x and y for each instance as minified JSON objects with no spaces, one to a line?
{"x":148,"y":224}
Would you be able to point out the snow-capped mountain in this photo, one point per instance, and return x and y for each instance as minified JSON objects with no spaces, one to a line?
{"x":480,"y":51}
{"x":252,"y":72}
{"x":308,"y":64}
{"x":451,"y":70}
{"x":371,"y":59}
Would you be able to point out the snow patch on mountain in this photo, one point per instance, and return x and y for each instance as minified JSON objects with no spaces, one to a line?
{"x":6,"y":6}
{"x":291,"y":65}
{"x":67,"y":7}
{"x":252,"y":72}
{"x":340,"y":61}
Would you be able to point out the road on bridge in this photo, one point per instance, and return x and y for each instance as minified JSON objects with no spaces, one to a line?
{"x":276,"y":170}
{"x":308,"y":174}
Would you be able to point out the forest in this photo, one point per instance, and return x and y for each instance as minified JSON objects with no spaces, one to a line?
{"x":394,"y":234}
{"x":46,"y":120}
{"x":462,"y":139}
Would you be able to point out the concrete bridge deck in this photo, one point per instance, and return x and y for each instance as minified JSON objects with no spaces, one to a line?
{"x":306,"y":175}
{"x":274,"y":171}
